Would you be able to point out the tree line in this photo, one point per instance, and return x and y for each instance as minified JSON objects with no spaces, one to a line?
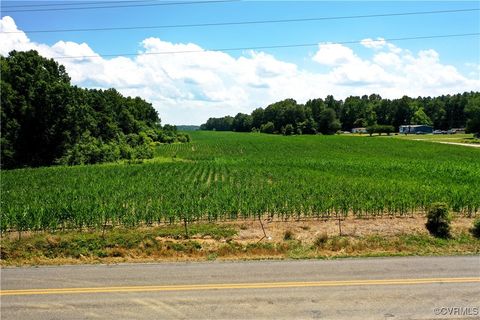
{"x":327,"y":116}
{"x":45,"y":120}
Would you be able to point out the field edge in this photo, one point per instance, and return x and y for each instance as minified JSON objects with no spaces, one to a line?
{"x":227,"y":242}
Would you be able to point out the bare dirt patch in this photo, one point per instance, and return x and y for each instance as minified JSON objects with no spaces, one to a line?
{"x":309,"y":230}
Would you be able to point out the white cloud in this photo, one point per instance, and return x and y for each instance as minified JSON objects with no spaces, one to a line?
{"x":18,"y":41}
{"x":387,"y":59}
{"x":332,"y":54}
{"x":373,"y":43}
{"x":190,"y":87}
{"x":474,"y":69}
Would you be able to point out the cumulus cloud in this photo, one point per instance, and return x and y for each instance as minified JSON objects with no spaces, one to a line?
{"x":387,"y":59}
{"x":373,"y":44}
{"x":332,"y":54}
{"x":11,"y":41}
{"x":190,"y":87}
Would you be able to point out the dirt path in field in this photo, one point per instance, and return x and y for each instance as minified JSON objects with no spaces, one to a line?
{"x":474,"y":145}
{"x":461,"y":144}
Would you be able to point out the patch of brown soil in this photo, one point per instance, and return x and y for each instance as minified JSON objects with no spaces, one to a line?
{"x":308,"y":230}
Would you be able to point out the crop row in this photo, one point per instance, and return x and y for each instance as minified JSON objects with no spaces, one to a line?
{"x":226,"y":176}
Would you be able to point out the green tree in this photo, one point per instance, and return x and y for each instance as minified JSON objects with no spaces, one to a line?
{"x":218,"y":124}
{"x":366,"y":111}
{"x":33,"y":129}
{"x":435,"y":109}
{"x":401,"y":111}
{"x":455,"y":105}
{"x":380,"y":129}
{"x":288,"y":130}
{"x":360,"y":123}
{"x":308,"y":126}
{"x":242,"y":123}
{"x":45,"y":120}
{"x":315,"y":107}
{"x":353,"y":113}
{"x":257,"y":117}
{"x":473,"y":112}
{"x":328,"y":123}
{"x":420,"y":117}
{"x":267,"y":127}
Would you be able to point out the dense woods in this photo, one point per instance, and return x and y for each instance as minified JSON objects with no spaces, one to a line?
{"x":328,"y":115}
{"x":45,"y":120}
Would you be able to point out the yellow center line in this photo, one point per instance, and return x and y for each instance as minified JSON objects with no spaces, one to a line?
{"x":223,"y":286}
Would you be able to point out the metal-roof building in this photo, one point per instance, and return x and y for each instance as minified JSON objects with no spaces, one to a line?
{"x":415,"y":128}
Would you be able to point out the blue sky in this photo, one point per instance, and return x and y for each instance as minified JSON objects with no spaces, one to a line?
{"x":461,"y":53}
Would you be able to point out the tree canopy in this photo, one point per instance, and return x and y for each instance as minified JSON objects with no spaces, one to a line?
{"x":329,"y":115}
{"x":473,"y":112}
{"x":45,"y":120}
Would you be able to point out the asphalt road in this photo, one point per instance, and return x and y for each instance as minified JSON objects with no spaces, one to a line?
{"x":373,"y":288}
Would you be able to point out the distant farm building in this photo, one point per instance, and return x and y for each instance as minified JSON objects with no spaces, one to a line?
{"x":359,"y":130}
{"x":415,"y":128}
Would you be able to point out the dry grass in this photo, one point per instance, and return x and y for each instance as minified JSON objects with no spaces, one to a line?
{"x":307,"y":231}
{"x":291,"y":239}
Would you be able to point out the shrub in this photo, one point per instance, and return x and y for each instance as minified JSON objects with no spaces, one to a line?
{"x":380,"y":129}
{"x":438,"y":220}
{"x":476,"y":228}
{"x":183,"y":138}
{"x":143,"y":151}
{"x":339,"y":243}
{"x":267,"y":127}
{"x":321,"y":239}
{"x":288,"y":235}
{"x":288,"y":130}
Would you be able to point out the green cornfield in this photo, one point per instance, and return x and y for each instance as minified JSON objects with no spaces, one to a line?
{"x":226,"y":175}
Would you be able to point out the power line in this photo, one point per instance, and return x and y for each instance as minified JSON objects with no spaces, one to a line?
{"x":271,"y":46}
{"x":6,"y":5}
{"x":124,"y":6}
{"x":248,"y":22}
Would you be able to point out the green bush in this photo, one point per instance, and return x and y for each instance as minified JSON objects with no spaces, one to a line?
{"x":183,"y":137}
{"x":143,"y":151}
{"x":288,"y":130}
{"x":380,"y":129}
{"x":476,"y":228}
{"x":267,"y":127}
{"x":438,"y":220}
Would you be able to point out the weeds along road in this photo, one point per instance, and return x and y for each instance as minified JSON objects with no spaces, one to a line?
{"x":372,"y":288}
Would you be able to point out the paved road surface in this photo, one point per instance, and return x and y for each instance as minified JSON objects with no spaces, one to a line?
{"x":374,"y":288}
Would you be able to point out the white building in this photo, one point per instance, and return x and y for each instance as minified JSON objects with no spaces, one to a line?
{"x":359,"y":130}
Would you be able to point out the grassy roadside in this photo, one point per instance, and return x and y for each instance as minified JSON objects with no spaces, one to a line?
{"x":215,"y":241}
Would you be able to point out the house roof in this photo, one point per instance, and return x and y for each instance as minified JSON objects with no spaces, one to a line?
{"x":415,"y":125}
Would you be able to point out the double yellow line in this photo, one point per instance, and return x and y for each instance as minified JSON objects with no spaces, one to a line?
{"x":229,"y":286}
